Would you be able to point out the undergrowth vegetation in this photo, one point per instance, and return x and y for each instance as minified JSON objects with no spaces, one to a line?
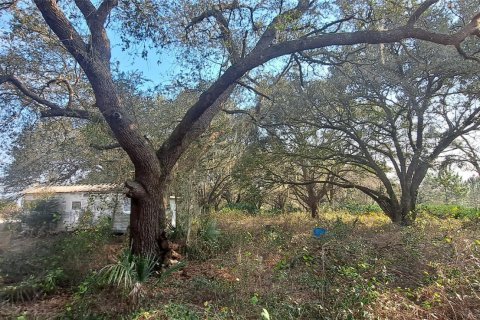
{"x":37,"y":267}
{"x":451,"y":211}
{"x":239,"y":266}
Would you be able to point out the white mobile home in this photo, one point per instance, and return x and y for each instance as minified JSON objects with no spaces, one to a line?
{"x":88,"y":202}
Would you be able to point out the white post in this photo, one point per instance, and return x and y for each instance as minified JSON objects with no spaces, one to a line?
{"x":173,"y":209}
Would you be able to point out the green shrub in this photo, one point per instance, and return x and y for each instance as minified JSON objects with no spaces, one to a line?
{"x":180,"y":311}
{"x":42,"y":213}
{"x":208,"y":240}
{"x":450,"y":211}
{"x":52,"y":279}
{"x":179,"y":233}
{"x":27,"y":290}
{"x":60,"y":260}
{"x":76,"y":250}
{"x":33,"y":287}
{"x":120,"y":274}
{"x":209,"y":231}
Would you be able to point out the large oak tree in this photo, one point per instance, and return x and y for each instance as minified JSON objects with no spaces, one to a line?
{"x":248,"y":34}
{"x":391,"y":120}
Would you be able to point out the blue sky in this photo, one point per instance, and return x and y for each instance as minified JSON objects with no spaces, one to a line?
{"x":157,"y":68}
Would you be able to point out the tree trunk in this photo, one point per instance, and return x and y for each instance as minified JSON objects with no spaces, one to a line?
{"x":314,"y":209}
{"x":402,"y":213}
{"x":147,"y":226}
{"x":148,"y":207}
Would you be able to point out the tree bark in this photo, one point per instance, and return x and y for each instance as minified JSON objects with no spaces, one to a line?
{"x":314,"y":209}
{"x":147,"y":217}
{"x":147,"y":234}
{"x":402,"y":213}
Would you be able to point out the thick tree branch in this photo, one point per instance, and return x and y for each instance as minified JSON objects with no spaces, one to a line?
{"x":179,"y":140}
{"x":347,"y":185}
{"x":94,"y":16}
{"x":88,"y":10}
{"x":100,"y":43}
{"x":95,"y":62}
{"x":261,"y":55}
{"x":65,"y":31}
{"x":70,"y":113}
{"x":135,"y":190}
{"x":369,"y":37}
{"x":27,"y":92}
{"x":104,"y":10}
{"x":54,"y":110}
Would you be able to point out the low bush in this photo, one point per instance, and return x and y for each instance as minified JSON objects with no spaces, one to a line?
{"x":78,"y":250}
{"x":129,"y":274}
{"x":54,"y":262}
{"x":450,"y":211}
{"x":207,"y":240}
{"x":41,"y":215}
{"x":33,"y":287}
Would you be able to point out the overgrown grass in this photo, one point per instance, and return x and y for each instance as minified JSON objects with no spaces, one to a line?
{"x":240,"y":266}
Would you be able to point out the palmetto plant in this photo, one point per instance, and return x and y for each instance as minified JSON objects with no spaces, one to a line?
{"x":130,"y":272}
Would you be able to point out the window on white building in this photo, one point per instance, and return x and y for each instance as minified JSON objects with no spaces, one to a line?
{"x":76,"y":205}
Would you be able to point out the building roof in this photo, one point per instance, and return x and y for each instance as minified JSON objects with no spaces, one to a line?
{"x":70,"y":189}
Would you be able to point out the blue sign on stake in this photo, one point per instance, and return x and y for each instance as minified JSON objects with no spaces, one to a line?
{"x":318,"y":232}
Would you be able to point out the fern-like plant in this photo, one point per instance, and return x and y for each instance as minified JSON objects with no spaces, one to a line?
{"x":145,"y":265}
{"x":130,"y":272}
{"x":120,"y":274}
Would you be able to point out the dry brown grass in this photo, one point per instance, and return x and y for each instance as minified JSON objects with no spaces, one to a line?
{"x":365,"y":268}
